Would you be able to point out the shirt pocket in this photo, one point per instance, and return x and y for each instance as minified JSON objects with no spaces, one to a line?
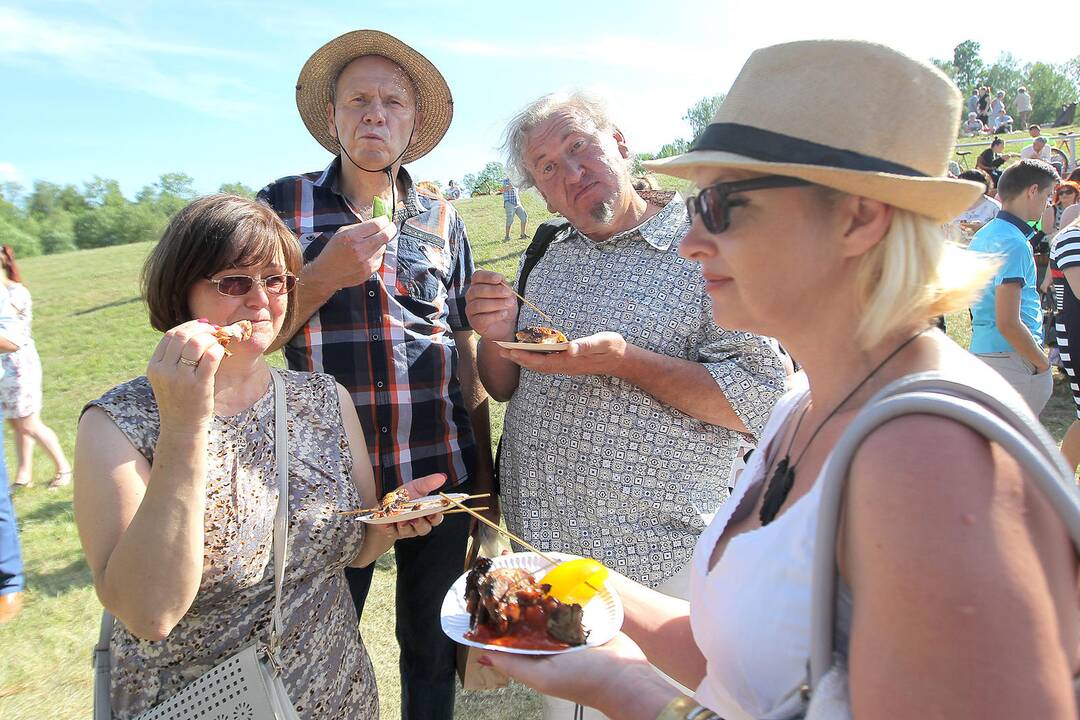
{"x":423,"y":260}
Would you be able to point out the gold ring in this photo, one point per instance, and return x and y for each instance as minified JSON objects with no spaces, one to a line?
{"x":189,"y":363}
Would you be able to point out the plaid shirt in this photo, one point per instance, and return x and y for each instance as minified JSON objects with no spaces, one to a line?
{"x":392,"y":351}
{"x":510,"y":196}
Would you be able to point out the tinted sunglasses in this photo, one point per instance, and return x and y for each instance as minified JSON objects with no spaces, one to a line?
{"x":236,"y":285}
{"x":713,"y":204}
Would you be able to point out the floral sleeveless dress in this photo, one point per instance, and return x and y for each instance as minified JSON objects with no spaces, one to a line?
{"x":20,"y":386}
{"x":327,"y":671}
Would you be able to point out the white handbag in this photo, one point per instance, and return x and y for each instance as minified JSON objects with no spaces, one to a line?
{"x":247,"y":685}
{"x":1019,"y":434}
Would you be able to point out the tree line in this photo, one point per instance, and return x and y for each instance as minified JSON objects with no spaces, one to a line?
{"x":52,"y":218}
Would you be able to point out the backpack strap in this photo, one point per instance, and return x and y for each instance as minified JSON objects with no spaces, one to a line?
{"x":539,"y":245}
{"x":545,"y":233}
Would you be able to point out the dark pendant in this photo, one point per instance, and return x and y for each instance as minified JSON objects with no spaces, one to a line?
{"x":777,"y":491}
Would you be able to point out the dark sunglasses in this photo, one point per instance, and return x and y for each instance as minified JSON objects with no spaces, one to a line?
{"x":235,"y":285}
{"x":713,"y":204}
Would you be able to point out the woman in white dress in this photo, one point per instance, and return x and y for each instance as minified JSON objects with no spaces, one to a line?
{"x":20,"y":388}
{"x":957,"y":581}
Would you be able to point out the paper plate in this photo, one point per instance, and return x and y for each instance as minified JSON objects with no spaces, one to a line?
{"x":533,"y":347}
{"x":433,"y":505}
{"x":602,"y":618}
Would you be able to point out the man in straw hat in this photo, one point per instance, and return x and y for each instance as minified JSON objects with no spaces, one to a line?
{"x":381,"y":308}
{"x":618,"y":447}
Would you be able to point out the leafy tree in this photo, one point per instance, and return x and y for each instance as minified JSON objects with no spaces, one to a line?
{"x":103,"y":191}
{"x":23,"y":243}
{"x":1005,"y":74}
{"x":968,"y":64}
{"x":118,"y":225}
{"x":57,"y":232}
{"x":1050,"y":88}
{"x":676,"y":147}
{"x":48,"y":198}
{"x":237,"y":188}
{"x":487,"y":180}
{"x":701,"y":113}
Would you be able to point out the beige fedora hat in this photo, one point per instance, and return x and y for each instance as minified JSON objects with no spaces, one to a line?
{"x":850,"y":115}
{"x":433,"y":99}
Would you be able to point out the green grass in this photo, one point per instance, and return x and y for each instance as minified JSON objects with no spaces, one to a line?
{"x":92,"y":333}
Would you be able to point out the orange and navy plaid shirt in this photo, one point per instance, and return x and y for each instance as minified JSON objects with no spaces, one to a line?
{"x":389,"y":340}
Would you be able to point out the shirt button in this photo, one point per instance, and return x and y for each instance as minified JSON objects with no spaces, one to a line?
{"x":378,"y":383}
{"x":371,"y":293}
{"x":374,"y":337}
{"x":384,"y":429}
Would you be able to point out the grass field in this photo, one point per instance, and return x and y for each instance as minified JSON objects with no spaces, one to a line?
{"x":92,"y":333}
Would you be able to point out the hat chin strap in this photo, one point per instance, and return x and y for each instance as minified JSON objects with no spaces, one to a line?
{"x":388,"y":169}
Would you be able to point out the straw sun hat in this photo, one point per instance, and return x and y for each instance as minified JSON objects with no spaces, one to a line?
{"x":433,"y":99}
{"x":825,"y":111}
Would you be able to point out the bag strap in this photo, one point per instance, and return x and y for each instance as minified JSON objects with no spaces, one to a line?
{"x":545,"y":233}
{"x":281,"y":519}
{"x":1017,"y":431}
{"x":102,"y":664}
{"x":541,"y":241}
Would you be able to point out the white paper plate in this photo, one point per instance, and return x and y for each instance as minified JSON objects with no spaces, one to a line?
{"x":602,"y":618}
{"x":533,"y":347}
{"x":436,"y":506}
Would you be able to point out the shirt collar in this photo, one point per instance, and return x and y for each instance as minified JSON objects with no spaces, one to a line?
{"x":331,"y":178}
{"x":659,"y":231}
{"x":1019,"y":224}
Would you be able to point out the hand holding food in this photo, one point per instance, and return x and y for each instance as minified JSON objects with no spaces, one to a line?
{"x":599,"y":354}
{"x":181,"y":373}
{"x":353,"y":254}
{"x":491,"y":306}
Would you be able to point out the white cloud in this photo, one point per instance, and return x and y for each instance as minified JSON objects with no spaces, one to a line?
{"x":124,"y":58}
{"x":10,"y":173}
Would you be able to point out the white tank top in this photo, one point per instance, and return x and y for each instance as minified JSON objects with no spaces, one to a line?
{"x":751,"y":614}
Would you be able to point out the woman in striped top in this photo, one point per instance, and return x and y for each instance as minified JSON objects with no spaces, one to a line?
{"x":1065,"y":256}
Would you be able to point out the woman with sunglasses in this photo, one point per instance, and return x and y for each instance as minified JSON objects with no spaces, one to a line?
{"x":957,"y":587}
{"x":176,"y":484}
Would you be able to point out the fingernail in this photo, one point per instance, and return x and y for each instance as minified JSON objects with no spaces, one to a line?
{"x":483,"y":660}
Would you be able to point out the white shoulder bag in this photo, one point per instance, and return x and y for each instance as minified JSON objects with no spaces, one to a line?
{"x":247,"y":685}
{"x":929,"y":393}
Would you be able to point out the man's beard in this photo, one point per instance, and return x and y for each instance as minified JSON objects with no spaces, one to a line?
{"x":603,"y":212}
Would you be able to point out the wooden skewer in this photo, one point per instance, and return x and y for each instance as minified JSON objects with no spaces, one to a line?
{"x":362,"y":511}
{"x":495,"y":527}
{"x":539,"y":312}
{"x":461,"y":510}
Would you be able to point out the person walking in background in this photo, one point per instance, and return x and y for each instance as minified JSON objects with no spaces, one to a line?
{"x":513,"y":207}
{"x":1022,"y":105}
{"x":452,"y":192}
{"x":11,"y":568}
{"x":20,"y":388}
{"x":1006,"y":323}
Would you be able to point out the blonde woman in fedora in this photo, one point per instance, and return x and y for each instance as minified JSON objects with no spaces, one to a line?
{"x":381,"y":307}
{"x":957,"y":592}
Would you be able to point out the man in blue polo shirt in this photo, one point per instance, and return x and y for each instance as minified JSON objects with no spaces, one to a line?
{"x":1006,"y":322}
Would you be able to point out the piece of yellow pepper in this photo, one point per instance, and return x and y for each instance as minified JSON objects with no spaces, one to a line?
{"x":576,"y":581}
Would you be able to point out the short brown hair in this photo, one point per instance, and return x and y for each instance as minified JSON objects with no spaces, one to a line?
{"x":211,"y":234}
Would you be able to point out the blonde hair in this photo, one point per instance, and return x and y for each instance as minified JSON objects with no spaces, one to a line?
{"x":915,"y":274}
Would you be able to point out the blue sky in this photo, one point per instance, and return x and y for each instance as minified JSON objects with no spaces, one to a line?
{"x":131,"y":90}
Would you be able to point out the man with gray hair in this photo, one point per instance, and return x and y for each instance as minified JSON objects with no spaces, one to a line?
{"x":619,"y":447}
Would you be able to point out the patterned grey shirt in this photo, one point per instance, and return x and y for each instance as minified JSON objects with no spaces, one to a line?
{"x":593,"y":465}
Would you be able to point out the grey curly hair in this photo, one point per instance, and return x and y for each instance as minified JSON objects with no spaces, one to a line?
{"x":517,"y":132}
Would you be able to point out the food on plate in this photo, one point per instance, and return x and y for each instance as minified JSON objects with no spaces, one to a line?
{"x":238,"y":331}
{"x":540,"y":334}
{"x":398,"y":503}
{"x":508,"y":607}
{"x":576,"y":581}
